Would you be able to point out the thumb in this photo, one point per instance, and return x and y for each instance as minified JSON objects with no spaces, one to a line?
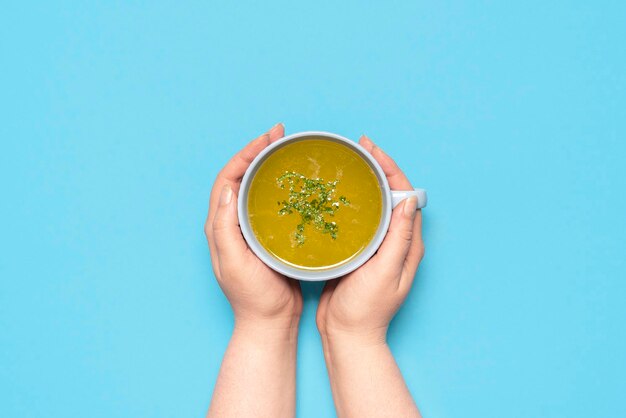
{"x":395,"y":247}
{"x":229,"y":242}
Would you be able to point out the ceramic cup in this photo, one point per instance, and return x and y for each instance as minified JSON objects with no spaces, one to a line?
{"x":391,"y":198}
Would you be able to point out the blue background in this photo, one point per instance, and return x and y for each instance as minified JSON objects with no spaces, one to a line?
{"x":116,"y":116}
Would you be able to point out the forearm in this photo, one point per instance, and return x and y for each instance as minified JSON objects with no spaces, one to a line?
{"x":258,"y":374}
{"x":365,"y":379}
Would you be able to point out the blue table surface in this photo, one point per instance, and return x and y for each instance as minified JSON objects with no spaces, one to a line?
{"x":116,"y":116}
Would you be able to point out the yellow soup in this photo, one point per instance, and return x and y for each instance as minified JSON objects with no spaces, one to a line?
{"x":314,"y":203}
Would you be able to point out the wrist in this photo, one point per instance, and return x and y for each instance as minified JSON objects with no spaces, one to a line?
{"x":335,"y":338}
{"x":268,"y":330}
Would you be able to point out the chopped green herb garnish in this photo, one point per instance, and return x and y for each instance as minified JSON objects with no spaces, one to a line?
{"x":313,"y":199}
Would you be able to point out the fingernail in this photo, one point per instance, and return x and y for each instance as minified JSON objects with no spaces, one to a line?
{"x":410,"y":206}
{"x":226,"y":196}
{"x":275,"y":127}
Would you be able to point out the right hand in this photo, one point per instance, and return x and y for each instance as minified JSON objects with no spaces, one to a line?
{"x":361,"y":304}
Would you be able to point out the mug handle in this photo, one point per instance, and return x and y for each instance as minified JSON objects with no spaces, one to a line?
{"x":398,"y":196}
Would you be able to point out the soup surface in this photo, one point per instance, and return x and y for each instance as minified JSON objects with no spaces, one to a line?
{"x":314,"y":203}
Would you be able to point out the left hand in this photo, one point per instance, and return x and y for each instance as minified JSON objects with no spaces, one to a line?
{"x":259,"y":296}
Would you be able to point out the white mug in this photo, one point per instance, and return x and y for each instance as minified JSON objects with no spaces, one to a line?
{"x":391,"y":198}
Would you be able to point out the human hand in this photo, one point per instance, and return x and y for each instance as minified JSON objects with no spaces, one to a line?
{"x":360,"y":305}
{"x":260,"y":297}
{"x":258,"y":372}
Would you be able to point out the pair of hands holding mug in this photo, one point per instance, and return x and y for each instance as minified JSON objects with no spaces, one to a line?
{"x":354,"y":311}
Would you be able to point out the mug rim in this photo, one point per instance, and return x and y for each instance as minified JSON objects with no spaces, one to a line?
{"x":320,"y":274}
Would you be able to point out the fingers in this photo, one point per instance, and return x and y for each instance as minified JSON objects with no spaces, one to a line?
{"x":234,"y":170}
{"x":366,"y":143}
{"x":277,"y":132}
{"x":416,"y":250}
{"x":395,"y":248}
{"x":396,"y":178}
{"x":229,"y":243}
{"x":237,"y":166}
